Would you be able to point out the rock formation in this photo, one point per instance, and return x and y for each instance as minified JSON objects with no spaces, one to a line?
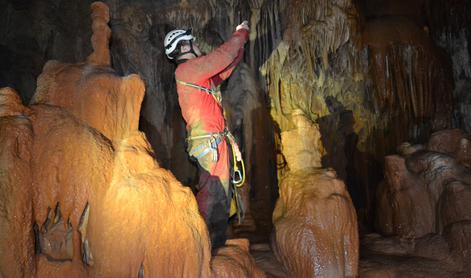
{"x":82,"y":194}
{"x":315,"y":226}
{"x":16,"y":138}
{"x":424,"y":202}
{"x":369,"y":71}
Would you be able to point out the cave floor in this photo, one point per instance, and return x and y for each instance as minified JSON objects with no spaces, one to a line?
{"x":370,"y":265}
{"x":266,"y":260}
{"x":377,"y":266}
{"x":405,"y":266}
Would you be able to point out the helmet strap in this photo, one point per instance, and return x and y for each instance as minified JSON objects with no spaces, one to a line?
{"x":180,"y":61}
{"x":192,"y":51}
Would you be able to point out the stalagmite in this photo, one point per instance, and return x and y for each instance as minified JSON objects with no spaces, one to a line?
{"x":315,"y":232}
{"x":311,"y":198}
{"x":16,"y":136}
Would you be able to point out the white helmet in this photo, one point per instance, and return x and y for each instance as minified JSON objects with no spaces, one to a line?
{"x":173,"y":38}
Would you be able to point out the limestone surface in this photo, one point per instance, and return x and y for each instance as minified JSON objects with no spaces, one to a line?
{"x":16,"y":136}
{"x":427,"y":194}
{"x":315,"y":232}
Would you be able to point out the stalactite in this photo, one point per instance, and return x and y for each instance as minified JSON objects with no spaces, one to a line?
{"x":448,"y":23}
{"x":408,"y":76}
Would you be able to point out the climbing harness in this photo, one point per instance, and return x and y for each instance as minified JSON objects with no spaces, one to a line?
{"x":209,"y":144}
{"x":215,"y":93}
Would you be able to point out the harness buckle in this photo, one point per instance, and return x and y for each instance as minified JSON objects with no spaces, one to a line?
{"x":214,"y":141}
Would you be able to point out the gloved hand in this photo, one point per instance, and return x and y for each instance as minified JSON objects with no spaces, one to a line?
{"x":243,"y":25}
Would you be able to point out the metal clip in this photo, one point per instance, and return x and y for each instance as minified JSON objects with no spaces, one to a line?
{"x":237,"y":177}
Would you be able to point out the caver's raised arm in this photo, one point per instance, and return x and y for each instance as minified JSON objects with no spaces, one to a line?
{"x":219,"y":61}
{"x":228,"y":71}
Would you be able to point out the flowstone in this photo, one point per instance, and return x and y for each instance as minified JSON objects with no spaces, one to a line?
{"x":424,"y":204}
{"x":311,"y":75}
{"x":315,"y":224}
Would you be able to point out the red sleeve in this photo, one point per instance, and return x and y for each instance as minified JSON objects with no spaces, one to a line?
{"x":227,"y":72}
{"x":205,"y":67}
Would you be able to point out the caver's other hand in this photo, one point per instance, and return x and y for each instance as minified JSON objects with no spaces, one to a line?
{"x":237,"y":152}
{"x":243,"y":25}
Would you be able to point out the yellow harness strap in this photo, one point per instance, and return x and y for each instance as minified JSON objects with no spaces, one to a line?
{"x":215,"y":93}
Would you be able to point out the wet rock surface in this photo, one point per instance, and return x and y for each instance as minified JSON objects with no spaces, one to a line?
{"x":315,"y":227}
{"x":371,"y":73}
{"x":424,"y":207}
{"x":315,"y":233}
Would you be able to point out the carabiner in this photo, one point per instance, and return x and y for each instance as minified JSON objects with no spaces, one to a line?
{"x":237,"y":177}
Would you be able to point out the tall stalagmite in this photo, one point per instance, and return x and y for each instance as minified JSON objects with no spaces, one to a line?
{"x":303,"y":86}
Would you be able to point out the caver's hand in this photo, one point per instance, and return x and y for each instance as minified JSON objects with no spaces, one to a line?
{"x":237,"y":152}
{"x":243,"y":25}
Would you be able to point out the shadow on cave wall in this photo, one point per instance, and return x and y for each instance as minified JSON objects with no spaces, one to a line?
{"x":33,"y":32}
{"x":361,"y":171}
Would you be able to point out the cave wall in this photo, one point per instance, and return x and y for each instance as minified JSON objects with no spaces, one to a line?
{"x":32,"y":32}
{"x":448,"y":25}
{"x":450,"y":28}
{"x":422,"y":71}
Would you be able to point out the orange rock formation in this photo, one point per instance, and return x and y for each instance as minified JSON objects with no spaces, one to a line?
{"x":16,"y":240}
{"x":315,"y":222}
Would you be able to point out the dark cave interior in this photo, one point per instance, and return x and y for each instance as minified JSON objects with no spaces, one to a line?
{"x":353,"y":118}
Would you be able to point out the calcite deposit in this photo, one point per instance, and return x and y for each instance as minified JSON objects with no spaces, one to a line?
{"x":424,"y":202}
{"x":16,"y":137}
{"x":315,"y":233}
{"x":315,"y":225}
{"x":326,"y":93}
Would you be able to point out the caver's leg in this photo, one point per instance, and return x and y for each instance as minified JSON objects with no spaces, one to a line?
{"x":212,"y":199}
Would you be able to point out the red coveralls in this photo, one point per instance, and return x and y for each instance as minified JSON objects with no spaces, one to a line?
{"x":203,"y":115}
